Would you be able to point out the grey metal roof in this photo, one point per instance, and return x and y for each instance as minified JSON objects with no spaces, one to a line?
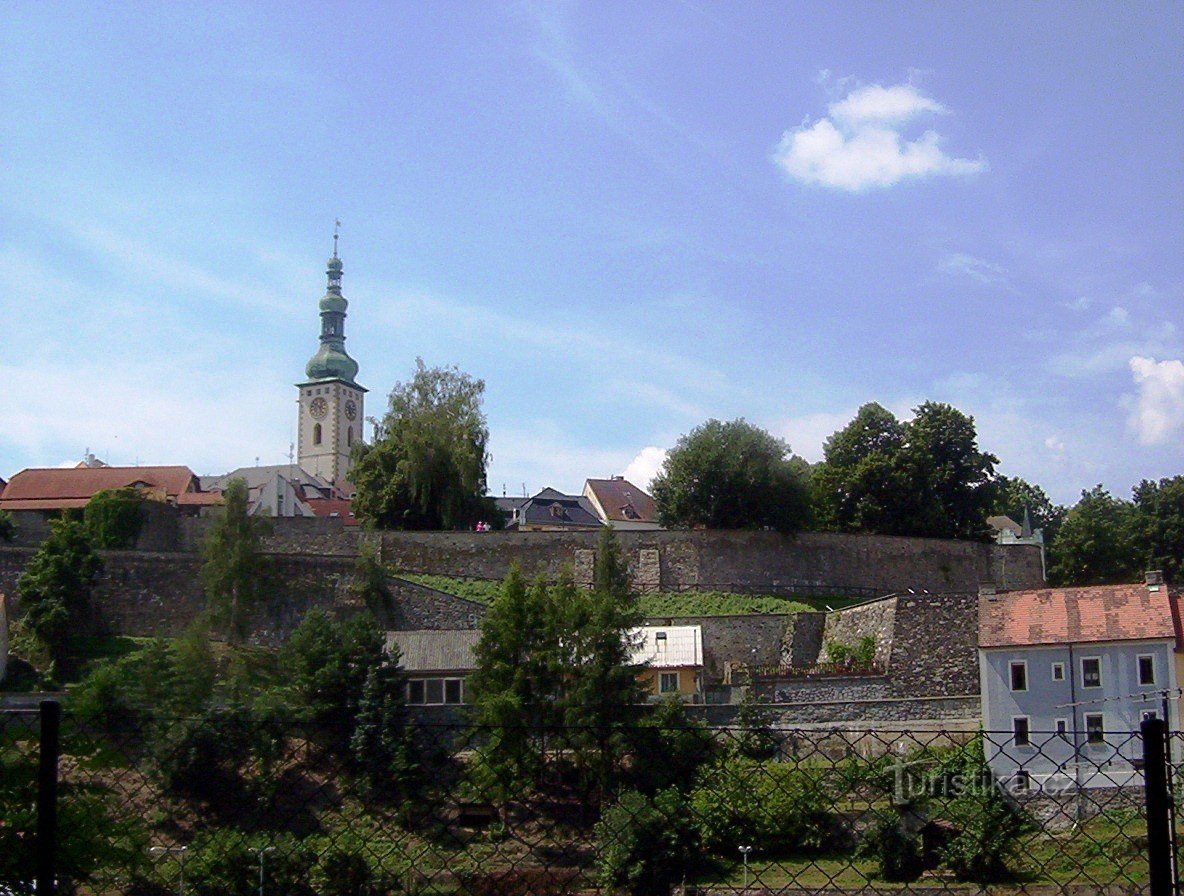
{"x":447,"y":650}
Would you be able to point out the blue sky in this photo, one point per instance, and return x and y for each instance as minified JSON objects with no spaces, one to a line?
{"x":625,"y":220}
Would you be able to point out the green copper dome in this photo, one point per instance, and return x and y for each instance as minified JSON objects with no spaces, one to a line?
{"x":331,"y":360}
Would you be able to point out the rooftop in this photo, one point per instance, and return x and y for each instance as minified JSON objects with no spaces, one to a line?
{"x":55,"y":488}
{"x":1079,"y":615}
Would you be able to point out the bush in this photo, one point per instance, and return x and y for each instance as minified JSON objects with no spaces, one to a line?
{"x":646,"y":844}
{"x":342,"y":871}
{"x":222,"y":863}
{"x":897,"y":852}
{"x":780,"y":806}
{"x":200,"y":757}
{"x":114,"y":517}
{"x":7,"y":526}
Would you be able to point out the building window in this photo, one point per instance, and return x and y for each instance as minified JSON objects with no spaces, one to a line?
{"x":1062,"y":727}
{"x":349,"y":435}
{"x":435,"y":691}
{"x":1058,"y":671}
{"x":1019,"y":675}
{"x":1019,"y":731}
{"x":668,"y":683}
{"x":1095,"y":733}
{"x":1091,"y":672}
{"x":1146,"y":664}
{"x":316,"y":434}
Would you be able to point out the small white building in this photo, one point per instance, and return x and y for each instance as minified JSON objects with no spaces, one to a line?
{"x":671,"y":657}
{"x":1067,"y":676}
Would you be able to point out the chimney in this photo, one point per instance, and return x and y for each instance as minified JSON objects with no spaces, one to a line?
{"x":1154,"y":579}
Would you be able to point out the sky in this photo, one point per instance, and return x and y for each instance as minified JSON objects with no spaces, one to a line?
{"x":625,"y":218}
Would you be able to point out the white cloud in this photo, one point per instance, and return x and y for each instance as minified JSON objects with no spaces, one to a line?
{"x":1158,"y":410}
{"x":643,"y":468}
{"x":861,"y":144}
{"x":976,"y":268}
{"x":883,"y":104}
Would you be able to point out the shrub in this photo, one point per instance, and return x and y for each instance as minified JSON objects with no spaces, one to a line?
{"x":7,"y":526}
{"x":200,"y":757}
{"x":897,"y":852}
{"x":780,"y":806}
{"x":222,"y":863}
{"x":864,"y":653}
{"x":342,"y":871}
{"x":646,"y":844}
{"x":114,"y":517}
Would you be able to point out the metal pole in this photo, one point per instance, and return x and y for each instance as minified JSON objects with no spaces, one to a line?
{"x":1155,"y":784}
{"x":47,"y":798}
{"x":261,"y":851}
{"x":173,"y":851}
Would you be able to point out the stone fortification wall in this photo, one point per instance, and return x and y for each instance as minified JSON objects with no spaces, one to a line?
{"x":935,"y":645}
{"x":807,"y":563}
{"x":874,"y":619}
{"x":802,"y":643}
{"x":748,"y":638}
{"x":150,"y":594}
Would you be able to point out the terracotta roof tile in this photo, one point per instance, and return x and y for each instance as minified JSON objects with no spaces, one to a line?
{"x":1079,"y":615}
{"x":53,"y":488}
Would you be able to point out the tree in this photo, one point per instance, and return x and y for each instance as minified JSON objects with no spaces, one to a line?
{"x":863,"y":484}
{"x":956,"y":480}
{"x":926,"y":477}
{"x":381,"y":743}
{"x":56,"y":585}
{"x":426,"y":466}
{"x":235,"y":574}
{"x":1096,"y":544}
{"x":731,"y":476}
{"x":1014,"y":496}
{"x":7,"y":526}
{"x":1159,"y":525}
{"x":114,"y":517}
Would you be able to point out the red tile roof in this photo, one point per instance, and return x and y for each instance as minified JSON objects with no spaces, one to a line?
{"x":55,"y":488}
{"x":341,"y":508}
{"x":1079,"y":615}
{"x":622,"y":501}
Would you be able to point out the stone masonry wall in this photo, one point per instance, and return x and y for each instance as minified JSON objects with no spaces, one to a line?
{"x":739,"y":639}
{"x":160,"y":594}
{"x":809,"y":562}
{"x":935,"y":645}
{"x":802,"y":643}
{"x":874,"y":619}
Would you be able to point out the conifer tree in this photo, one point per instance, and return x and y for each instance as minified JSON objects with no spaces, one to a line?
{"x":235,"y":574}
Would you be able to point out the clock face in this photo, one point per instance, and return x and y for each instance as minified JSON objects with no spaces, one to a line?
{"x":351,"y":410}
{"x":318,"y":408}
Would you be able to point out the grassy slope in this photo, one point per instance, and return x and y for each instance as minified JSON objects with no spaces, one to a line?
{"x":661,"y":603}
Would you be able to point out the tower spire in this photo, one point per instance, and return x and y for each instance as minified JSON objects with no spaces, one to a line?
{"x":336,"y":227}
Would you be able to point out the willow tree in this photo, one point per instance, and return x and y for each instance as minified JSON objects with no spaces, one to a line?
{"x":425,"y":468}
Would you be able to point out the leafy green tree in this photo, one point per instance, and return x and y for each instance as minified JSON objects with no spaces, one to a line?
{"x":863,"y":485}
{"x":114,"y":518}
{"x":669,"y":748}
{"x":426,"y":466}
{"x":370,"y":581}
{"x":731,"y":476}
{"x":7,"y":526}
{"x":1014,"y":495}
{"x":327,"y":664}
{"x":381,"y":743}
{"x":926,"y":477}
{"x":55,"y":587}
{"x":1096,"y":543}
{"x":955,"y":478}
{"x":235,"y":573}
{"x":647,"y":844}
{"x":1159,"y":525}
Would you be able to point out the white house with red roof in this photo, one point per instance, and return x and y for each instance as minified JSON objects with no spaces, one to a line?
{"x":1068,"y":674}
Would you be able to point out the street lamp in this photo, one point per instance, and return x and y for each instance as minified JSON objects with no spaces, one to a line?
{"x":173,"y":851}
{"x":261,"y":851}
{"x":744,"y":851}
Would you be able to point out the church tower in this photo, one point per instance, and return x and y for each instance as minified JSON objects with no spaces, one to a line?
{"x":331,"y":402}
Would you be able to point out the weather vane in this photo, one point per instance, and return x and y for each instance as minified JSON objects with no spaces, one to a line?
{"x":336,"y":225}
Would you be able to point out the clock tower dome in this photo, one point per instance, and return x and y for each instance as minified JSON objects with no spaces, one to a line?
{"x":331,"y":402}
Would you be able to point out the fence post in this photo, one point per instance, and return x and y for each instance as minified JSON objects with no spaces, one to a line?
{"x":1155,"y":784}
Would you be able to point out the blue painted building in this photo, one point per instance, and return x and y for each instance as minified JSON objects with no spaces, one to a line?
{"x":1068,"y":674}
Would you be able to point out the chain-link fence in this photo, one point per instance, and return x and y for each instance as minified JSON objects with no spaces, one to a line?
{"x":238,"y":802}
